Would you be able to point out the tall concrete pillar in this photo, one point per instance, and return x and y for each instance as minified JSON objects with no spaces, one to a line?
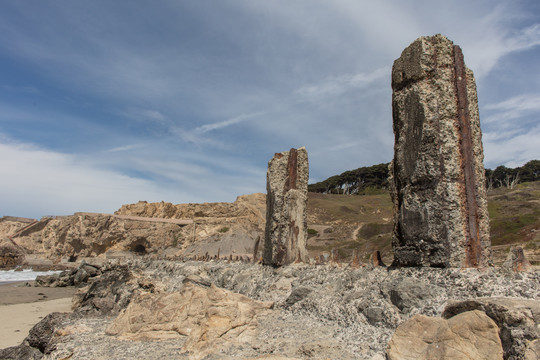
{"x":285,"y":238}
{"x":437,"y":175}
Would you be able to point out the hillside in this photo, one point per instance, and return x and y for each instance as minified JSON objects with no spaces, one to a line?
{"x":367,"y":179}
{"x":364,"y":222}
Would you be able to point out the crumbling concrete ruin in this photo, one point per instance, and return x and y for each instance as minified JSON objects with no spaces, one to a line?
{"x":285,"y":237}
{"x":437,"y":175}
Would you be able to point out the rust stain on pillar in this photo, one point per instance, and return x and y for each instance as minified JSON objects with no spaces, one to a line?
{"x":292,"y":170}
{"x":473,"y":245}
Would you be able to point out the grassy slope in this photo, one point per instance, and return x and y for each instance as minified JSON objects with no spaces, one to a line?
{"x":346,"y":222}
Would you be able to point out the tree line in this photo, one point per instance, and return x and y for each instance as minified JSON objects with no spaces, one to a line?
{"x":365,"y":179}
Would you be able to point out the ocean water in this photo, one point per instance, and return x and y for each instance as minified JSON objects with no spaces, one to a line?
{"x":24,"y":275}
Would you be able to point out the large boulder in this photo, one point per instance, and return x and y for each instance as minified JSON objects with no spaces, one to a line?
{"x":109,"y":292}
{"x":210,"y":317}
{"x":518,"y":319}
{"x":41,"y":339}
{"x":468,"y":336}
{"x":11,"y":255}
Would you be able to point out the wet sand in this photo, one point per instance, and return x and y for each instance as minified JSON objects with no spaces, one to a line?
{"x":21,"y":307}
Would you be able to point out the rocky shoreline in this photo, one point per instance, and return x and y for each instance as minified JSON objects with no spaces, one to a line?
{"x":316,"y":312}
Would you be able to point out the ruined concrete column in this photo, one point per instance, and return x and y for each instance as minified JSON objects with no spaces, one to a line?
{"x":437,"y":175}
{"x":285,"y":237}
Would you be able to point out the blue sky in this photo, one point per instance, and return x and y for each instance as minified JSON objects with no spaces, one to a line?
{"x":104,"y":103}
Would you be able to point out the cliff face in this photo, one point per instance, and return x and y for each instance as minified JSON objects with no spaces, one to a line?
{"x":162,"y":228}
{"x":222,"y":229}
{"x":84,"y":234}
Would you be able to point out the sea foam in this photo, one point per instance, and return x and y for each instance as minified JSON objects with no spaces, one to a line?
{"x":24,"y":275}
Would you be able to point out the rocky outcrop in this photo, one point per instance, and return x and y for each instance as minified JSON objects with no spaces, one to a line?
{"x":209,"y":317}
{"x":319,"y":311}
{"x":11,"y":255}
{"x":471,"y":335}
{"x":110,"y":292}
{"x":41,"y":339}
{"x":73,"y":277}
{"x":437,"y":175}
{"x":518,"y":320}
{"x":285,"y":238}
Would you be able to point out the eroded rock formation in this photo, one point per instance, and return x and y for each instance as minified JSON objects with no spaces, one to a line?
{"x":517,"y":319}
{"x":437,"y":175}
{"x":210,"y":317}
{"x":469,"y":335}
{"x":286,"y":224}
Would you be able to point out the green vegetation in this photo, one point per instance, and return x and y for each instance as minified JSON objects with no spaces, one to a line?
{"x":514,"y":214}
{"x":373,"y":180}
{"x":312,"y":232}
{"x":509,"y":178}
{"x":176,"y":236}
{"x":354,"y":181}
{"x":223,"y":229}
{"x":373,"y":229}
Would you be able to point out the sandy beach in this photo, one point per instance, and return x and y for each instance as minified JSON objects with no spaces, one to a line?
{"x":21,"y":307}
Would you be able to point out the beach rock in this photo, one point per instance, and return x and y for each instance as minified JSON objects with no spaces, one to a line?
{"x":11,"y":255}
{"x":41,"y":339}
{"x":210,"y":317}
{"x":63,"y":279}
{"x":72,"y":277}
{"x":437,"y":175}
{"x":407,"y":293}
{"x":471,"y":335}
{"x":285,"y":238}
{"x":298,"y":294}
{"x":41,"y":336}
{"x":518,"y":319}
{"x":20,"y":352}
{"x":109,"y":292}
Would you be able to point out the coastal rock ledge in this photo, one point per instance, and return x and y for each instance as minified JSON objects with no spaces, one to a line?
{"x":135,"y":310}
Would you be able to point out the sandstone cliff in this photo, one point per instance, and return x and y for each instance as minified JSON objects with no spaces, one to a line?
{"x":160,"y":229}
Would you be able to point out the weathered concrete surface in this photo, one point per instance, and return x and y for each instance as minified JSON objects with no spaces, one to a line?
{"x":286,"y":224}
{"x":437,"y":175}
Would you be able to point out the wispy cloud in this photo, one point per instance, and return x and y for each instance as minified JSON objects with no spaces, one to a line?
{"x":223,"y":124}
{"x":340,"y":84}
{"x":494,"y":40}
{"x":124,"y":148}
{"x":511,"y":151}
{"x":513,"y":108}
